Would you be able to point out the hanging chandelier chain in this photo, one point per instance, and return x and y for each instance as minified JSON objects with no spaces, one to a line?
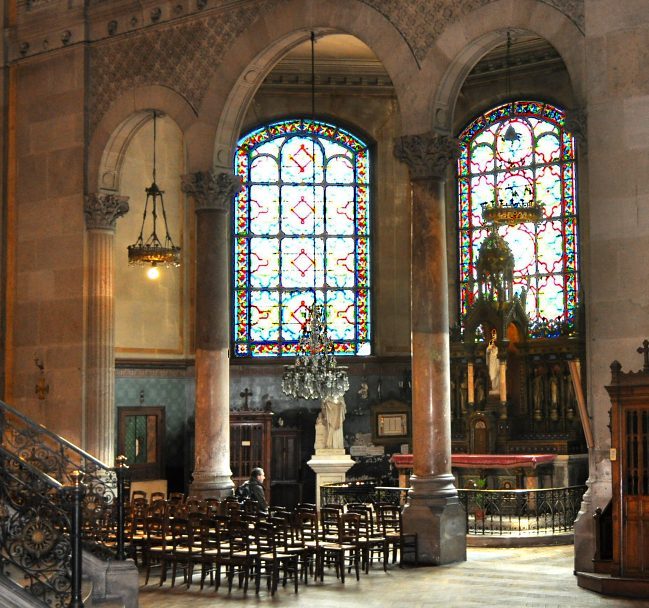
{"x":152,"y":251}
{"x":315,"y":373}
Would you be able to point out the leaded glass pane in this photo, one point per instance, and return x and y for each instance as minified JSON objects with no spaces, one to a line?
{"x":301,"y":225}
{"x":535,"y":159}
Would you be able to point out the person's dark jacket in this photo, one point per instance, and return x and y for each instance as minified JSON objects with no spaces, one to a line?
{"x":257,"y":493}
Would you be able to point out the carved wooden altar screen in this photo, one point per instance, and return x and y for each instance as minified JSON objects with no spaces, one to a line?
{"x":629,"y":393}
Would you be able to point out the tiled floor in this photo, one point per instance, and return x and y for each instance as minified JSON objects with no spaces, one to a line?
{"x":532,"y":577}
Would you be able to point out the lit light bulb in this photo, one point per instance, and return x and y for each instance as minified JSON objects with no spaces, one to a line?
{"x":153,"y":273}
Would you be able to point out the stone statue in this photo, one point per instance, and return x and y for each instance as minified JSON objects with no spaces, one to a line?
{"x":331,"y":419}
{"x":320,"y":432}
{"x":493,"y":364}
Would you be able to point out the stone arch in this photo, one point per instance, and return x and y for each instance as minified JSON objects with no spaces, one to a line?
{"x":255,"y":53}
{"x":126,"y":116}
{"x":468,"y":40}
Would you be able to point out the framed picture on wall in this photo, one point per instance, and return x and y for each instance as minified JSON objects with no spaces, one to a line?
{"x":391,"y":422}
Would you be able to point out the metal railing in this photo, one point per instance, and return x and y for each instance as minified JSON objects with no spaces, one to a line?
{"x":103,"y":532}
{"x":534,"y":512}
{"x":539,"y":512}
{"x":40,"y":532}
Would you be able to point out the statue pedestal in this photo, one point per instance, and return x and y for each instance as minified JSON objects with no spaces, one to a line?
{"x":330,"y":466}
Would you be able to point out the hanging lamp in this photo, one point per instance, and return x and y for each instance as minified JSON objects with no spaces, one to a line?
{"x":152,"y":251}
{"x":315,"y":373}
{"x":514,"y":204}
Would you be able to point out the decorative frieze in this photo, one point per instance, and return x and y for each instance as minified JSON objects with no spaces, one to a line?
{"x":182,"y":56}
{"x":102,"y":210}
{"x":420,"y":22}
{"x":211,"y":191}
{"x":428,"y":155}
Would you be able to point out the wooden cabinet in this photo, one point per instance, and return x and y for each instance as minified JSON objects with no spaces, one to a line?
{"x":629,"y":394}
{"x":286,"y":465}
{"x":250,"y":445}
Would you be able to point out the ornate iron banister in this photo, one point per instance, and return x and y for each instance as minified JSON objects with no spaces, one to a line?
{"x":37,"y":534}
{"x":59,"y":458}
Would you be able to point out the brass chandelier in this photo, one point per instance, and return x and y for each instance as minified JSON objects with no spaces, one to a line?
{"x":152,"y":251}
{"x":515,"y":204}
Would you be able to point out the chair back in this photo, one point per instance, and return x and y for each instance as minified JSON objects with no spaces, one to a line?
{"x":389,"y":518}
{"x":176,"y":497}
{"x":158,"y":508}
{"x":350,"y":527}
{"x":157,"y":496}
{"x":330,"y":522}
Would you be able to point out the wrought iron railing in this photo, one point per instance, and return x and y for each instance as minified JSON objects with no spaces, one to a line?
{"x":538,"y":512}
{"x":59,"y":459}
{"x":535,"y":512}
{"x":40,"y":525}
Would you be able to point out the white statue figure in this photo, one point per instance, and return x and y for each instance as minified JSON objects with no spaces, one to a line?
{"x":332,"y":416}
{"x":493,"y":363}
{"x":320,"y":432}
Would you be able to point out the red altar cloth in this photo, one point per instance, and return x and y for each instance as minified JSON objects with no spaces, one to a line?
{"x":483,"y":461}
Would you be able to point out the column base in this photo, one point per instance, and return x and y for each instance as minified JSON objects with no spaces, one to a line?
{"x":330,"y":466}
{"x":210,"y":485}
{"x":434,"y":513}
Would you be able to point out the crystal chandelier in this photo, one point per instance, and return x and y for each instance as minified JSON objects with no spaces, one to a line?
{"x":153,"y":251}
{"x":516,"y":203}
{"x":315,"y":373}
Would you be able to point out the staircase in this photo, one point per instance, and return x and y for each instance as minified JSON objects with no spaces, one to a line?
{"x":45,"y":517}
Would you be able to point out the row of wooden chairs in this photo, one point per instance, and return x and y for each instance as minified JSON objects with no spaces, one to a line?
{"x":297,"y":544}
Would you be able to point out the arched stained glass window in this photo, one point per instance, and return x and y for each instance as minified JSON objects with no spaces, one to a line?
{"x":537,"y":158}
{"x":301,"y":229}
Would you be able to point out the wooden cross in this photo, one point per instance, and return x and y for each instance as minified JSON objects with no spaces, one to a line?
{"x":245,"y":394}
{"x":644,"y":349}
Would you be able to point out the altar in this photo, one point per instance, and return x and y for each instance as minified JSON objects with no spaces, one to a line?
{"x":519,"y":470}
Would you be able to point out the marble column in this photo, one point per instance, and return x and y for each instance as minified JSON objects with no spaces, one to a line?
{"x":101,"y":212}
{"x":433,"y":510}
{"x":212,"y":194}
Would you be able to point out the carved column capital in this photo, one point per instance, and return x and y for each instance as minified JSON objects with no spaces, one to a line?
{"x":427,"y":155}
{"x":213,"y":191}
{"x":577,"y":124}
{"x":102,"y":210}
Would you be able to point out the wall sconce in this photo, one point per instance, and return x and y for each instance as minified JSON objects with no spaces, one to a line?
{"x":41,"y":388}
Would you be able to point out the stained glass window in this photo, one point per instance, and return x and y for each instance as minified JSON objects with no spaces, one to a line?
{"x":537,"y":157}
{"x":301,"y":230}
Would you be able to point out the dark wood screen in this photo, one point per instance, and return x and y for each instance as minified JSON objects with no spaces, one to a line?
{"x":250,"y":445}
{"x":635,"y":491}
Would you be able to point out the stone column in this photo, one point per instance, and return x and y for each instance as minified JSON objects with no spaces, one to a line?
{"x":433,"y":510}
{"x":101,"y":211}
{"x":212,"y":194}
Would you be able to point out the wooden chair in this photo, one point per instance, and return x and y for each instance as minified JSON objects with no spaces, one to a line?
{"x":215,"y":548}
{"x":306,"y":529}
{"x":346,"y":549}
{"x":243,"y":553}
{"x":373,"y":542}
{"x":273,"y":556}
{"x":389,"y":517}
{"x":157,"y":496}
{"x":156,"y":544}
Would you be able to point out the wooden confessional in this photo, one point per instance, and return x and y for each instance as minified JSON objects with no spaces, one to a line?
{"x":622,"y":535}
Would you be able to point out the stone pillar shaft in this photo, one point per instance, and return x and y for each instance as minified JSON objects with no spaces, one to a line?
{"x":433,"y":510}
{"x":431,"y":392}
{"x":212,"y":196}
{"x":101,"y":211}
